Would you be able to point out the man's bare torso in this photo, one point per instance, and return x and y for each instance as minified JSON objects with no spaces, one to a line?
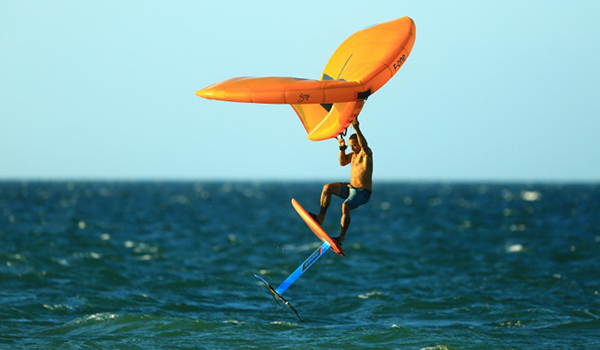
{"x":361,"y":170}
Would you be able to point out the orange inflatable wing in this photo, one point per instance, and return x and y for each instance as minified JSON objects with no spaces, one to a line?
{"x":359,"y":67}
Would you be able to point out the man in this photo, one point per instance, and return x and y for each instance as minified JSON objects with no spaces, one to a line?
{"x":358,"y":191}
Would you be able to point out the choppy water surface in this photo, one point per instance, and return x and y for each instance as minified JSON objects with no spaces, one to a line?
{"x":170,"y":266}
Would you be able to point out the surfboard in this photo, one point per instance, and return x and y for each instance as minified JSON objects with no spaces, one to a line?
{"x":316,"y":228}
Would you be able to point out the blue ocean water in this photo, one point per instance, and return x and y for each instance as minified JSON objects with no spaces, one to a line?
{"x":159,"y":265}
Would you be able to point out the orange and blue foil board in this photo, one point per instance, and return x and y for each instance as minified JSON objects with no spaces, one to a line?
{"x":316,"y":228}
{"x":327,"y":244}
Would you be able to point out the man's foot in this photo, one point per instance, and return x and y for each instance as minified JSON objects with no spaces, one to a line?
{"x":316,"y":218}
{"x":337,"y":240}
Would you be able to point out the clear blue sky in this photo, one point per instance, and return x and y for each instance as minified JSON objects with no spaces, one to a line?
{"x":502,"y":91}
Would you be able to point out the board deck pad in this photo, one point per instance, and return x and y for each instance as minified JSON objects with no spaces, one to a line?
{"x":316,"y":228}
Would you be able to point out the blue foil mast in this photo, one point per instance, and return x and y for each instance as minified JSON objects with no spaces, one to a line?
{"x":277,"y":293}
{"x":300,"y":270}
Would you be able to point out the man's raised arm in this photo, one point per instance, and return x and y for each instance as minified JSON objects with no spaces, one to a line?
{"x":344,"y":158}
{"x":361,"y":138}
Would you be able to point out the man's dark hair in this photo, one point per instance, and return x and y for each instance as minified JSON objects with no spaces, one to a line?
{"x":353,"y":136}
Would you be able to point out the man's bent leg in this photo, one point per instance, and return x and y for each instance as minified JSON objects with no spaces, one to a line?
{"x":345,"y":221}
{"x":328,"y":190}
{"x":356,"y":198}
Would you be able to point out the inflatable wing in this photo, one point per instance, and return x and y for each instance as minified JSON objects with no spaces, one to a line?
{"x":359,"y":67}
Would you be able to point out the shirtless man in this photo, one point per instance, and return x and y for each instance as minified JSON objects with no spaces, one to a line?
{"x":358,"y":191}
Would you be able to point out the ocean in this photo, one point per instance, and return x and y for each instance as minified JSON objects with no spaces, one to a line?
{"x":170,"y":265}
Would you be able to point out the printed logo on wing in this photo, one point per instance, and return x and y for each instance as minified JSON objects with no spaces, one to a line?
{"x":303,"y":98}
{"x":311,"y":259}
{"x":398,"y":64}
